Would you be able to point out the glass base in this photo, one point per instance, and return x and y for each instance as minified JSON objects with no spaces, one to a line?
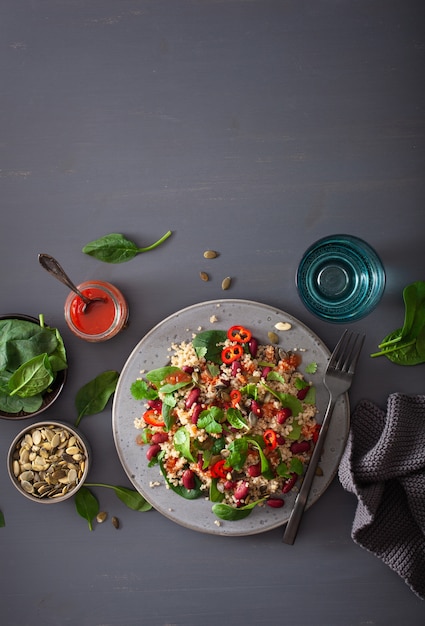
{"x":340,"y":278}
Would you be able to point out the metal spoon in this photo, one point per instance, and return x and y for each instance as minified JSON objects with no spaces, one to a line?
{"x":50,"y":264}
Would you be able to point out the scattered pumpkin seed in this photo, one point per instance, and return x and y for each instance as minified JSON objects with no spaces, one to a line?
{"x":101,"y":516}
{"x":319,"y":471}
{"x":204,"y":276}
{"x":115,"y":522}
{"x":210,"y":254}
{"x":273,"y":338}
{"x":226,"y":283}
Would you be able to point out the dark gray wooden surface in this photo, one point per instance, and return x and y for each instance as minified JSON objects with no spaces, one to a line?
{"x":250,"y":127}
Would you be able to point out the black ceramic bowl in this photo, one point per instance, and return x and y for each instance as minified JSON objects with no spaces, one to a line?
{"x":50,"y":395}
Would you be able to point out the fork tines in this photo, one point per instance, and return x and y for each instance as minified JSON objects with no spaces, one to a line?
{"x":346,"y":353}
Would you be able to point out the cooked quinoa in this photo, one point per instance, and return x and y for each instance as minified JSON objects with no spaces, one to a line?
{"x":228,"y":419}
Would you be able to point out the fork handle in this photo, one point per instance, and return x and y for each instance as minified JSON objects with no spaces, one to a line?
{"x":301,"y":499}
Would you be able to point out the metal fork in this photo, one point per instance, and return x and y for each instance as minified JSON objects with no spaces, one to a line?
{"x":337,"y":380}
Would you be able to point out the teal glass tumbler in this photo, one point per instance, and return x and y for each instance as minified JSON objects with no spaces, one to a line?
{"x":340,"y":278}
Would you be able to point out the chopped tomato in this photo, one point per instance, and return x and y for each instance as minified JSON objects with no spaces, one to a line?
{"x":178,"y":377}
{"x":291,"y":362}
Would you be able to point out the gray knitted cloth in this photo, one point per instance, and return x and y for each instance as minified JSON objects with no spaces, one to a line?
{"x":384,"y":466}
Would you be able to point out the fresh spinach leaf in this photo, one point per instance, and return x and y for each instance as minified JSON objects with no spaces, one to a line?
{"x":22,"y":341}
{"x":238,"y":452}
{"x":182,"y":443}
{"x":215,"y":495}
{"x":250,"y":390}
{"x":160,"y":377}
{"x":235,"y":418}
{"x":130,"y":497}
{"x":93,"y":396}
{"x":265,"y":466}
{"x":87,"y":505}
{"x":232,"y":514}
{"x":296,"y":431}
{"x":116,"y":248}
{"x":32,"y":377}
{"x":209,"y":344}
{"x":406,"y":345}
{"x":189,"y":494}
{"x":287,"y":400}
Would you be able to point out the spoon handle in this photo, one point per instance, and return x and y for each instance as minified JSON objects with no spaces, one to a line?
{"x":52,"y":266}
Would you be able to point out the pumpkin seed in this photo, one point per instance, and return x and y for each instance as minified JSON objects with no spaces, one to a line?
{"x":210,"y":254}
{"x":101,"y":517}
{"x":273,"y":338}
{"x":115,"y":522}
{"x":226,"y":283}
{"x":204,"y":276}
{"x":46,"y":470}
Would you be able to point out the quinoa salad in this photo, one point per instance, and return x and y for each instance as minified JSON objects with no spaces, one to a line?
{"x":229,"y":420}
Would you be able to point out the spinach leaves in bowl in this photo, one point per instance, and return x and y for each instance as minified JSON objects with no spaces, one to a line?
{"x":33,"y":366}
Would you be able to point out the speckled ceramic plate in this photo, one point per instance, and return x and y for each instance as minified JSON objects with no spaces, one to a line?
{"x":152,"y":352}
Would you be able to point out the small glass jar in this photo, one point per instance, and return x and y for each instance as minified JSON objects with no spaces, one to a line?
{"x":101,"y":319}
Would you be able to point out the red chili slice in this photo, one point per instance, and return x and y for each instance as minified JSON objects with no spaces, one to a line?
{"x":153,"y":418}
{"x":235,"y":397}
{"x":239,"y":334}
{"x":231,"y":353}
{"x":218,"y":470}
{"x":270,"y":439}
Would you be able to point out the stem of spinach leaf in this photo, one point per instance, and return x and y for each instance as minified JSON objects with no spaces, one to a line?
{"x":396,"y":345}
{"x":157,"y":243}
{"x":130,"y":497}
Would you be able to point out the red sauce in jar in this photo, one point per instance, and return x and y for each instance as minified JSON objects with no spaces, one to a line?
{"x":95,"y":318}
{"x":101,"y":320}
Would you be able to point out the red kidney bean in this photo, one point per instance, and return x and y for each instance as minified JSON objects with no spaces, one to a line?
{"x":275,"y":503}
{"x":192,"y":397}
{"x":255,"y":408}
{"x":289,"y":483}
{"x":297,"y":447}
{"x":187,"y":369}
{"x":254,"y":470}
{"x":302,"y":393}
{"x":229,"y":484}
{"x":196,"y":413}
{"x":152,"y":451}
{"x":280,"y":440}
{"x":156,"y":405}
{"x":235,"y":368}
{"x":265,"y":371}
{"x":283,"y":414}
{"x":159,"y":437}
{"x":253,"y":346}
{"x":241,"y":491}
{"x":188,"y":479}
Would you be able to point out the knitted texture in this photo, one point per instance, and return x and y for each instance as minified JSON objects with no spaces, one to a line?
{"x":383,"y":465}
